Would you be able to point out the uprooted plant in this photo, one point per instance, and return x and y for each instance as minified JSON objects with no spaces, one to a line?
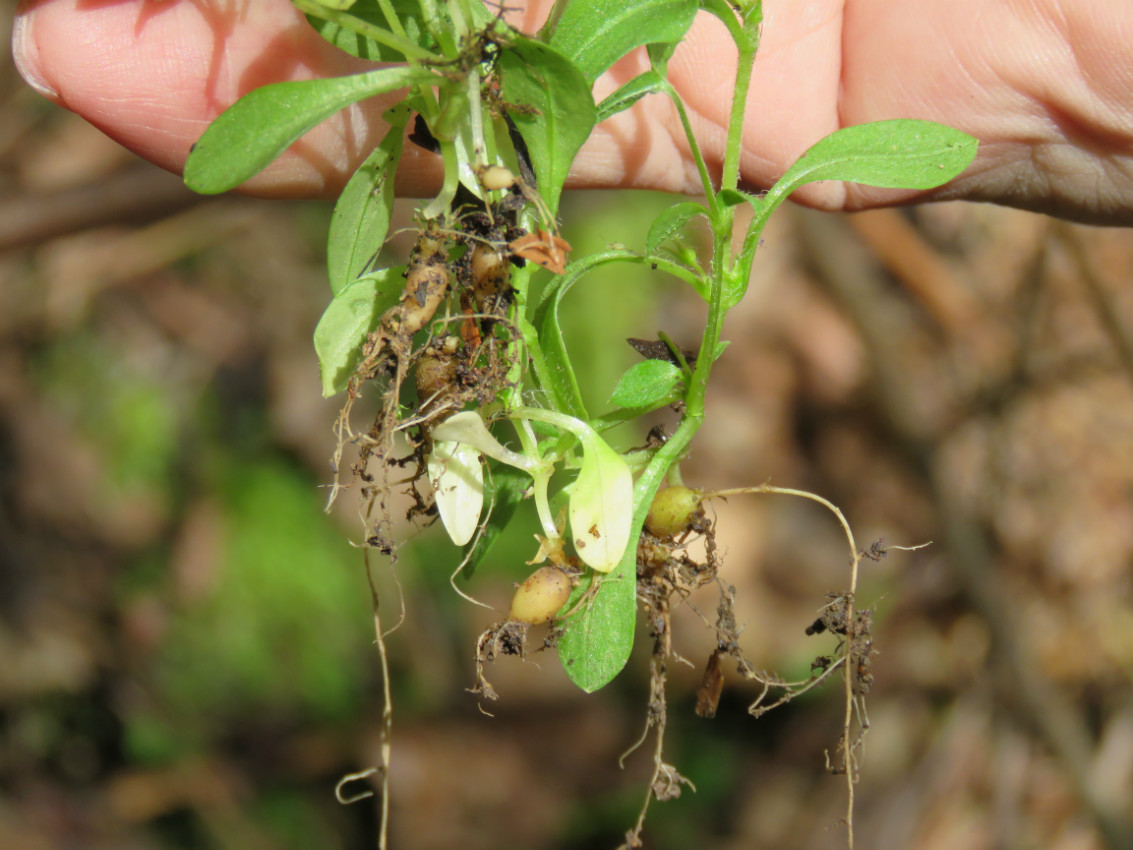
{"x":462,"y":361}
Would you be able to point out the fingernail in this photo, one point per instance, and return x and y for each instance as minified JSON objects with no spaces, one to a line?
{"x":25,"y":53}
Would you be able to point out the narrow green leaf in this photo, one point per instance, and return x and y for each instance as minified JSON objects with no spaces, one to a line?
{"x":549,"y":100}
{"x":265,"y":122}
{"x":599,"y":638}
{"x":646,"y":384}
{"x":671,"y":221}
{"x":361,"y":216}
{"x":555,"y":372}
{"x":503,"y":492}
{"x":734,"y":197}
{"x":899,"y":154}
{"x":629,"y":94}
{"x":597,"y":33}
{"x":365,"y":33}
{"x":902,"y":153}
{"x":354,"y":313}
{"x":560,"y":372}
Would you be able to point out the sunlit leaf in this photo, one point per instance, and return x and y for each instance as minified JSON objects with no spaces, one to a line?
{"x":670,"y":222}
{"x":467,"y":427}
{"x":646,"y":384}
{"x":264,"y":123}
{"x":629,"y":94}
{"x":361,"y":217}
{"x":898,"y":154}
{"x":598,"y":639}
{"x":549,"y":100}
{"x":901,"y":153}
{"x":354,"y":313}
{"x":365,"y":31}
{"x":597,"y":33}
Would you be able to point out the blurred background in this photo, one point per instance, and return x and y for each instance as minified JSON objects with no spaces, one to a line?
{"x":186,"y":641}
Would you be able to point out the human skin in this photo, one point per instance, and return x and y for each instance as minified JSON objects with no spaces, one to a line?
{"x":1045,"y":85}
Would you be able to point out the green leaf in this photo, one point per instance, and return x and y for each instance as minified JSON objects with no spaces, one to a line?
{"x":354,"y":313}
{"x":629,"y":94}
{"x":646,"y":384}
{"x":361,"y":216}
{"x":902,"y":153}
{"x":364,"y":32}
{"x":549,"y":101}
{"x":670,"y":222}
{"x":734,"y":197}
{"x":560,"y":376}
{"x":503,"y":491}
{"x":899,"y":154}
{"x":599,"y":638}
{"x":597,"y":33}
{"x":265,"y":122}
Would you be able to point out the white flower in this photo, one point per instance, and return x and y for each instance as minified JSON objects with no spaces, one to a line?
{"x":458,"y":487}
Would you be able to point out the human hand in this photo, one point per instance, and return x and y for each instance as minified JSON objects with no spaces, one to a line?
{"x":1046,"y":87}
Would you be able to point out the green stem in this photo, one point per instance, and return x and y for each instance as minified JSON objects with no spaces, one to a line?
{"x":627,"y":414}
{"x":443,"y":200}
{"x":562,"y":421}
{"x":697,"y":156}
{"x":476,"y":118}
{"x":580,"y":267}
{"x":395,"y":41}
{"x":730,"y":179}
{"x":698,"y":386}
{"x":439,"y":29}
{"x":392,"y":19}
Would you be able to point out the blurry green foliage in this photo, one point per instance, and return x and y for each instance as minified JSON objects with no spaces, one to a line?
{"x":120,"y":404}
{"x":284,"y":633}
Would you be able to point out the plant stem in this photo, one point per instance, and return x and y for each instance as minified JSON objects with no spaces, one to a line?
{"x":393,"y":40}
{"x":697,"y":156}
{"x":443,"y":200}
{"x":392,"y":20}
{"x":541,"y":475}
{"x":698,"y":386}
{"x":744,"y":62}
